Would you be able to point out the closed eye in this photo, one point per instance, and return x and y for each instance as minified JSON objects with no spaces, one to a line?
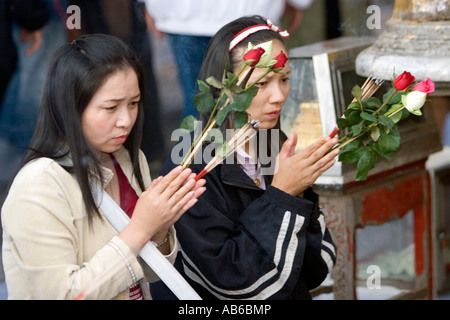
{"x":135,"y":104}
{"x":261,"y":83}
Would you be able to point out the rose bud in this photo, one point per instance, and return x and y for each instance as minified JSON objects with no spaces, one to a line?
{"x":403,"y":81}
{"x":413,"y":101}
{"x":427,"y":86}
{"x":281,"y":62}
{"x":252,"y":57}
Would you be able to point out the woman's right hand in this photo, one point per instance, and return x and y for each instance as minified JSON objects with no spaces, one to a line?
{"x":161,"y":205}
{"x":298,"y":171}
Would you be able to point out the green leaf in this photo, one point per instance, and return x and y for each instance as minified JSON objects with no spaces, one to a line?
{"x":234,"y":88}
{"x":214,"y":83}
{"x":366,"y":163}
{"x":203,"y":87}
{"x":389,"y":142}
{"x":357,"y":92}
{"x":395,"y":99}
{"x":387,"y":156}
{"x":342,"y":123}
{"x":222,"y":101}
{"x":204,"y":100}
{"x":387,"y":122}
{"x":243,"y":99}
{"x":232,"y":77}
{"x":188,"y":123}
{"x":375,"y":133}
{"x":222,"y":114}
{"x":353,"y":117}
{"x":353,"y":105}
{"x":229,"y":94}
{"x":350,"y":156}
{"x":240,"y":119}
{"x":388,"y":94}
{"x":356,"y":129}
{"x":405,"y":114}
{"x":355,"y":144}
{"x":398,"y":116}
{"x":373,"y":103}
{"x":350,"y":152}
{"x":368,"y":117}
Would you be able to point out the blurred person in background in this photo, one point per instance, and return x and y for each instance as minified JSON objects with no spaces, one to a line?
{"x":190,"y":24}
{"x":30,"y":31}
{"x":36,"y":22}
{"x":30,"y":16}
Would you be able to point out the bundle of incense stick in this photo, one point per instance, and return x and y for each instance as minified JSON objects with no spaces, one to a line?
{"x":239,"y":139}
{"x":370,"y":86}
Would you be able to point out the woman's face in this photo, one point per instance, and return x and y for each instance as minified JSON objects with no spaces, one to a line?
{"x":110,"y":115}
{"x":272,"y":94}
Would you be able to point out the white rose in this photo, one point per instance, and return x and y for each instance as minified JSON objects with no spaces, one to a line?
{"x":413,"y":101}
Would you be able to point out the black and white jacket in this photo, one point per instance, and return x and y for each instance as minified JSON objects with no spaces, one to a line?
{"x":242,"y":242}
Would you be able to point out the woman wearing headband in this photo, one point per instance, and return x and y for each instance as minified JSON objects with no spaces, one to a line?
{"x":190,"y":24}
{"x":257,"y":232}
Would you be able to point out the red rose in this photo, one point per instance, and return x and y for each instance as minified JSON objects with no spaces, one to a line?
{"x":281,"y":61}
{"x":403,"y":81}
{"x":427,"y":86}
{"x":253,"y":56}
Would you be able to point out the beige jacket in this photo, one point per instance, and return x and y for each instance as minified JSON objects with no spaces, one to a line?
{"x":50,"y":251}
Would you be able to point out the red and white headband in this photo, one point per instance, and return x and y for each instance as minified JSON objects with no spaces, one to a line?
{"x":250,"y":30}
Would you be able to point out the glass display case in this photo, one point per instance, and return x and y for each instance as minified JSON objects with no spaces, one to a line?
{"x":322,"y":77}
{"x":384,"y":220}
{"x":390,"y":248}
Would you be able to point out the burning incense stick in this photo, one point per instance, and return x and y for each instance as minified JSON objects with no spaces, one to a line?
{"x":370,"y":86}
{"x":239,"y":139}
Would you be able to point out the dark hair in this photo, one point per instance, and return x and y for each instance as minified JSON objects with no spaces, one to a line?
{"x":218,"y":56}
{"x":77,"y":70}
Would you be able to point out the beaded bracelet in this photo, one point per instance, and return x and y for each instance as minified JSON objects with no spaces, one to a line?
{"x":157,"y":245}
{"x":130,"y":269}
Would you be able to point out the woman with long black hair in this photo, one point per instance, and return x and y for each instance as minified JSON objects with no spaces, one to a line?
{"x":257,"y":232}
{"x":56,"y":240}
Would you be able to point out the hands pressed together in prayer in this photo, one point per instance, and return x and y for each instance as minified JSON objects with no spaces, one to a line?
{"x":160,"y":206}
{"x":298,"y":171}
